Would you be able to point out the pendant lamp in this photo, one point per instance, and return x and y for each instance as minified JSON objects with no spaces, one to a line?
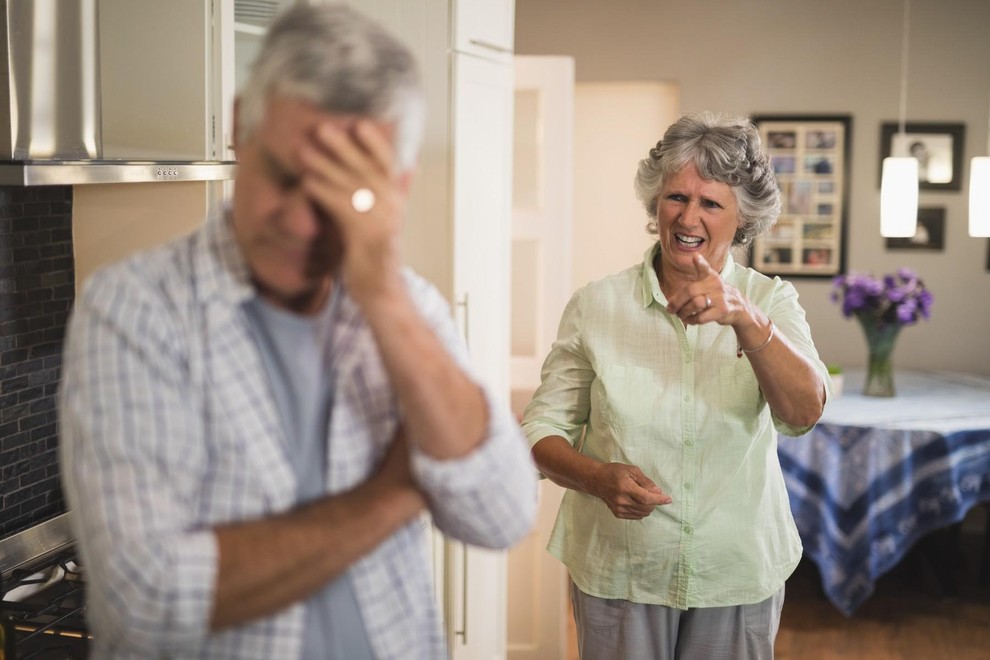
{"x":979,"y":191}
{"x":899,"y":178}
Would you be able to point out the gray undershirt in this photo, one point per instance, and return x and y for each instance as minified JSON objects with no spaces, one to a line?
{"x":296,"y":352}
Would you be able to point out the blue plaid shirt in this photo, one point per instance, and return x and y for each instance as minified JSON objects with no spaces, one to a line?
{"x":168,"y":428}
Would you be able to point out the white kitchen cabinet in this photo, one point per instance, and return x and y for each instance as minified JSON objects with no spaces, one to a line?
{"x":238,"y":28}
{"x":482,"y":150}
{"x":485,"y":28}
{"x":457,"y":235}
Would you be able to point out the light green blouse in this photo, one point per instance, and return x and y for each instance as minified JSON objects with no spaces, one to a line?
{"x":627,"y":382}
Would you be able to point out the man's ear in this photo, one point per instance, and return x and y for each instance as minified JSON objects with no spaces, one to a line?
{"x":404,"y":180}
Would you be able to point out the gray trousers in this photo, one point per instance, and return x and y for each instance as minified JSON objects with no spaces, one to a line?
{"x":620,"y":630}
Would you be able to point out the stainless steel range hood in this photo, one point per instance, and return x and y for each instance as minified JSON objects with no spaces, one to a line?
{"x":55,"y":112}
{"x":77,"y":172}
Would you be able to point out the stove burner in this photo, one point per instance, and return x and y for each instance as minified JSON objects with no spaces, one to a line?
{"x":43,"y":611}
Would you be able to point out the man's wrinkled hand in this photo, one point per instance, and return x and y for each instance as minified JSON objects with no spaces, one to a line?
{"x":338,"y":162}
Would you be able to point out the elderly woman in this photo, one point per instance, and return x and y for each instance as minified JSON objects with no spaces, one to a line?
{"x":659,"y":408}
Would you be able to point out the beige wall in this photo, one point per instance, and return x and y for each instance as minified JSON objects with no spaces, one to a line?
{"x":813,"y":57}
{"x":606,"y":236}
{"x":111,"y":221}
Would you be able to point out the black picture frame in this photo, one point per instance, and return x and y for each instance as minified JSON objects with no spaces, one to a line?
{"x":811,"y":158}
{"x":930,"y":235}
{"x":941,"y":145}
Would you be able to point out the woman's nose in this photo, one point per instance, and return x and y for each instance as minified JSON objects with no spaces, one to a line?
{"x":692,"y":213}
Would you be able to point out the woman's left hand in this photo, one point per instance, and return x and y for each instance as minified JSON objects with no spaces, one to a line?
{"x":787,"y":379}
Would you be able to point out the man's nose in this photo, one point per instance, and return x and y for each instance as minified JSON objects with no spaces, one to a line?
{"x":301,"y":218}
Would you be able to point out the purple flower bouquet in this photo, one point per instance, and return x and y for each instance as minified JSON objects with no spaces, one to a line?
{"x":882,"y":307}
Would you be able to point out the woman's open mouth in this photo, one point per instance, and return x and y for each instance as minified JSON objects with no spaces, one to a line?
{"x":688,"y":241}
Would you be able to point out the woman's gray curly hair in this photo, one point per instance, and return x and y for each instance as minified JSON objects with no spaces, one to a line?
{"x":722,"y":149}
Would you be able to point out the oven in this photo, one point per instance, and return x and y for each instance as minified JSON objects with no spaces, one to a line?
{"x":42,"y":611}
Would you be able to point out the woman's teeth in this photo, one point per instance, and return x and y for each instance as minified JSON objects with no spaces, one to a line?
{"x":688,"y":241}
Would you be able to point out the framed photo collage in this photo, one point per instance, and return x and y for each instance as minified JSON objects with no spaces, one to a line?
{"x":810,"y":157}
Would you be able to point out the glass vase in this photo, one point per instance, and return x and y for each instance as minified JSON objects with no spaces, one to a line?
{"x":880,"y":340}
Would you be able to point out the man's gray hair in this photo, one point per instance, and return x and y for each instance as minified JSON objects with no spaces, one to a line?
{"x":728,"y":150}
{"x":343,"y":63}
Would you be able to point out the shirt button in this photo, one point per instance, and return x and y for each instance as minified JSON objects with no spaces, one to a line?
{"x":687,"y":486}
{"x":689,"y":442}
{"x":687,"y":359}
{"x":688,"y":529}
{"x":687,"y":398}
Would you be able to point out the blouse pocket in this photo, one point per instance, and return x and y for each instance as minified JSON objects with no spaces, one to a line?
{"x":627,"y":395}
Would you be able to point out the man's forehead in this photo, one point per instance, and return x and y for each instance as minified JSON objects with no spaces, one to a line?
{"x":286,"y":114}
{"x":290,"y":124}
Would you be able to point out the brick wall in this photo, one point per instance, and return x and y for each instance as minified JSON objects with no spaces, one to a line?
{"x":37,"y":289}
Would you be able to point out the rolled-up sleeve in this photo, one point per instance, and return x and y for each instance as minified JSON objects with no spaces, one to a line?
{"x":791,"y":321}
{"x":561,"y":404}
{"x":488,"y":497}
{"x":128,"y":441}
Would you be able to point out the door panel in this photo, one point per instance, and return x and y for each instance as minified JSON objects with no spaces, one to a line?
{"x":541,"y":286}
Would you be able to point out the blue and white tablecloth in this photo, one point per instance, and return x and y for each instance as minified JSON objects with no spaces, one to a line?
{"x":875,"y":475}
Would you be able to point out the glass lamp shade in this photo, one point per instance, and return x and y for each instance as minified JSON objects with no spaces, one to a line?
{"x":979,"y":197}
{"x":899,"y":197}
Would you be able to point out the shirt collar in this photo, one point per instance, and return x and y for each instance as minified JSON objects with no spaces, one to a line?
{"x":223,"y":269}
{"x":226,"y":276}
{"x":651,"y":283}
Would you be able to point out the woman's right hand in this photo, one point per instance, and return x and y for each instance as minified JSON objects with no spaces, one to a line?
{"x":629,"y":494}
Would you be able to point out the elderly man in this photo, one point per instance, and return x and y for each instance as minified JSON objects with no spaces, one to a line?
{"x":254,"y":417}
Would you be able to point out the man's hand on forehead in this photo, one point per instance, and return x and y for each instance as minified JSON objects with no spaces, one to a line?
{"x":347,"y":156}
{"x":348,"y":173}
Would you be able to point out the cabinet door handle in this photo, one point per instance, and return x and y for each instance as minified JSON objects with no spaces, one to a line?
{"x":465,"y":305}
{"x":489,"y":46}
{"x":464,"y":598}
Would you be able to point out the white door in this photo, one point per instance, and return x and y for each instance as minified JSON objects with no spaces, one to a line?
{"x":540,"y":286}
